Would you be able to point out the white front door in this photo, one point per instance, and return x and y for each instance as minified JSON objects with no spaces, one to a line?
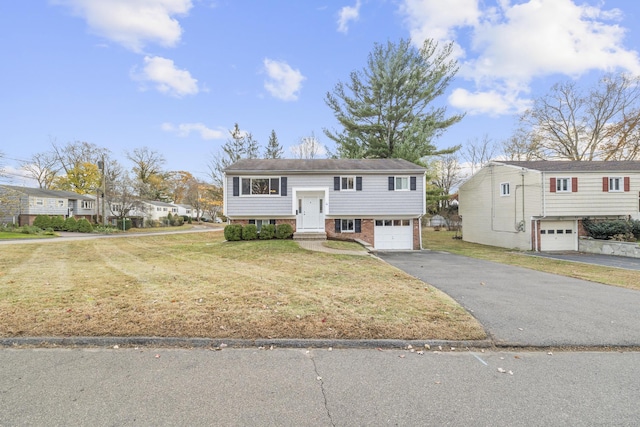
{"x":312,"y":213}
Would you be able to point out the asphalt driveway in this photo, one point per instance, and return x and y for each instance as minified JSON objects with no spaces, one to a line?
{"x":522,"y":307}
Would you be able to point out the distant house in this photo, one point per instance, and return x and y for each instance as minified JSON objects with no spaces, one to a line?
{"x":186,"y":210}
{"x":21,"y":205}
{"x":540,"y":205}
{"x":378,"y":201}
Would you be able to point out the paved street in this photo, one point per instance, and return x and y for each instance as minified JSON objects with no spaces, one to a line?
{"x":523,"y":307}
{"x":318,"y":387}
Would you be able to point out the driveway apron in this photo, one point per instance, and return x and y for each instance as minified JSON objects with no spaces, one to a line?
{"x":522,"y":307}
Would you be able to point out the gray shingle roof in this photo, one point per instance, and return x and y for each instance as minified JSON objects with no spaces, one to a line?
{"x":52,"y":194}
{"x":576,"y":166}
{"x":323,"y":165}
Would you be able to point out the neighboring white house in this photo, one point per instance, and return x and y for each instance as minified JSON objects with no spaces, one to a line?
{"x":378,"y":201}
{"x":21,"y":205}
{"x":187,"y":210}
{"x":540,"y":205}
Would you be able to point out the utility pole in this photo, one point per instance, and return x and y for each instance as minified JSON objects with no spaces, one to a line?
{"x":101,"y":165}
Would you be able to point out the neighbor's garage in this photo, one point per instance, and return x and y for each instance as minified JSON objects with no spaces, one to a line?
{"x":558,"y":236}
{"x":393,"y":234}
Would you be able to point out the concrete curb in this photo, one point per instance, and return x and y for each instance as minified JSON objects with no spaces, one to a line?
{"x":46,"y":342}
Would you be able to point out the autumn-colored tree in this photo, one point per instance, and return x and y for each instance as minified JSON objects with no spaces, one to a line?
{"x":178,"y":183}
{"x":83,"y":178}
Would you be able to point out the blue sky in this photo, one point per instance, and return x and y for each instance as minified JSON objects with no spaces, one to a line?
{"x":175,"y":75}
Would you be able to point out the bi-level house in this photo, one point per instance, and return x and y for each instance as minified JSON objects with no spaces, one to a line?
{"x":377,"y":201}
{"x":21,"y":205}
{"x":540,"y":205}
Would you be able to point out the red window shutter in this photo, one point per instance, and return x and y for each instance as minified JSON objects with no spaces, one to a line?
{"x":627,"y":183}
{"x":605,"y":184}
{"x":574,"y":185}
{"x":552,"y":185}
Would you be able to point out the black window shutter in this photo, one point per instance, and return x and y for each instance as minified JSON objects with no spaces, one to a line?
{"x":391,"y":183}
{"x":336,"y":183}
{"x":337,"y":226}
{"x":236,"y":185}
{"x":283,"y":186}
{"x":358,"y":183}
{"x":358,"y":226}
{"x":412,"y":183}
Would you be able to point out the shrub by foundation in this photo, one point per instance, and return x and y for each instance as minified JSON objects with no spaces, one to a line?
{"x":249,"y":232}
{"x":284,"y":231}
{"x":233,"y":232}
{"x":70,"y":224}
{"x":268,"y":231}
{"x":84,"y":226}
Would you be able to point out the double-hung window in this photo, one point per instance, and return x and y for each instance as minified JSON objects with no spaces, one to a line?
{"x":260,"y":186}
{"x":348,"y":183}
{"x":505,"y":189}
{"x":615,"y":184}
{"x":563,"y":185}
{"x":347,"y":225}
{"x":402,"y":183}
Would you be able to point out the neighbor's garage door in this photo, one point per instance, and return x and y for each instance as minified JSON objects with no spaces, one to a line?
{"x":557,"y":236}
{"x":393,"y":234}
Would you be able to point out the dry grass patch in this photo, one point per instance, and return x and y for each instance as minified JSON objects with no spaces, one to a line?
{"x":195,"y":285}
{"x":443,"y":241}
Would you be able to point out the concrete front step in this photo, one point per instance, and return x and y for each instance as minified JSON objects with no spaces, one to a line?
{"x":309,"y":236}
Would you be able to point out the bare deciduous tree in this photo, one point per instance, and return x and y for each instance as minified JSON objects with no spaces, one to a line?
{"x":43,"y":167}
{"x":601,"y":123}
{"x":308,"y":148}
{"x":477,"y":152}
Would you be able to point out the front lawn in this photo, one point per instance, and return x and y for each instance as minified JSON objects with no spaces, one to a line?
{"x":196,"y":285}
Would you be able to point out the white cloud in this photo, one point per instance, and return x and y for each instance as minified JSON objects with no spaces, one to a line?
{"x":283,"y":81}
{"x":512,"y":44}
{"x":183,"y":130}
{"x":168,"y":79}
{"x":491,"y":102}
{"x":347,"y":14}
{"x":132,"y":23}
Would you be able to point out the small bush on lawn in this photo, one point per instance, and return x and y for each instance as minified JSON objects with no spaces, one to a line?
{"x":249,"y":232}
{"x":42,"y":221}
{"x":84,"y":226}
{"x":284,"y":231}
{"x":57,"y":223}
{"x":268,"y":231}
{"x":70,"y":224}
{"x":233,"y":232}
{"x":31,"y":229}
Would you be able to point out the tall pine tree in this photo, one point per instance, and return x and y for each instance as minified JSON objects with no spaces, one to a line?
{"x":386,"y":110}
{"x":274,"y":149}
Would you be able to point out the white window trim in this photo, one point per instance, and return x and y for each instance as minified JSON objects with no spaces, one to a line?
{"x":404,"y":178}
{"x":620,"y":181}
{"x":505,"y":186}
{"x":353,"y":178}
{"x":353,"y":224}
{"x":260,"y":177}
{"x":558,"y":187}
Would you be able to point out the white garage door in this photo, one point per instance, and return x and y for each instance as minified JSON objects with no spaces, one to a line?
{"x":393,"y":234}
{"x":557,"y":236}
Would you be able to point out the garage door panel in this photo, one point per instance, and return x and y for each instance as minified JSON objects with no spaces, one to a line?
{"x":393,"y":234}
{"x":557,"y":236}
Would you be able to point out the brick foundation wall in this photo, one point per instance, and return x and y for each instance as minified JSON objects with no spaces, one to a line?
{"x":366,"y":234}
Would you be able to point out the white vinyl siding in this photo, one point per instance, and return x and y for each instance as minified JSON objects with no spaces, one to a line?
{"x":590,"y":200}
